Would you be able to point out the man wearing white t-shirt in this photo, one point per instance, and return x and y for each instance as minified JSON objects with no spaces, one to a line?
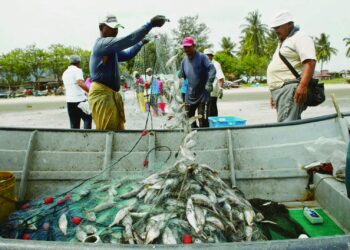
{"x":76,"y":90}
{"x":217,"y":84}
{"x":288,"y":95}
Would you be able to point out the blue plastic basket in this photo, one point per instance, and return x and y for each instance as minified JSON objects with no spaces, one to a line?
{"x":225,"y":121}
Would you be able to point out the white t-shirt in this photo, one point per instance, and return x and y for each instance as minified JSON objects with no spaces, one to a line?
{"x":295,"y":49}
{"x":219,"y":75}
{"x":74,"y":93}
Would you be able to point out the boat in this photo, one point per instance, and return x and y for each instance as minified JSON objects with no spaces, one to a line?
{"x":264,"y":161}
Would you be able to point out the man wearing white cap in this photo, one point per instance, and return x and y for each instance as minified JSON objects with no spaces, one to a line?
{"x":106,"y":104}
{"x":217,"y":85}
{"x":288,"y":94}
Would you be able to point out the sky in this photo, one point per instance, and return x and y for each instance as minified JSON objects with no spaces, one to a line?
{"x":75,"y":22}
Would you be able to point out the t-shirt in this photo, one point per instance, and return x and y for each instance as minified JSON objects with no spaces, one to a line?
{"x":198,"y":70}
{"x":153,"y":85}
{"x":109,"y":51}
{"x":74,"y":93}
{"x":219,"y":75}
{"x":296,"y":49}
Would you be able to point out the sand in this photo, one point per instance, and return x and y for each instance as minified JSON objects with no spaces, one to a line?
{"x":251,"y":104}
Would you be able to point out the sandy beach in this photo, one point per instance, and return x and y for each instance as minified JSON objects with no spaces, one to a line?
{"x":251,"y":104}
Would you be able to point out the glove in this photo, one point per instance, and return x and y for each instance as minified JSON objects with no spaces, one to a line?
{"x":145,"y":41}
{"x":220,"y":93}
{"x":209,"y":87}
{"x":158,"y":21}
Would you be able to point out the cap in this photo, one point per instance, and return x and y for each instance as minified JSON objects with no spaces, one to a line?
{"x":111,"y":21}
{"x":208,"y":52}
{"x":188,"y":41}
{"x":281,"y":18}
{"x":148,"y":70}
{"x":74,"y":59}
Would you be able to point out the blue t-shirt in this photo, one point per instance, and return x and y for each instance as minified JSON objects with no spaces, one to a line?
{"x":109,"y":51}
{"x":197,"y":71}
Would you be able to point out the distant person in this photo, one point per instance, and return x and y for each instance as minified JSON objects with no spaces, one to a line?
{"x":123,"y":87}
{"x":105,"y":101}
{"x":217,"y":85}
{"x":200,"y":73}
{"x":76,"y":90}
{"x":154,"y":88}
{"x":288,"y":96}
{"x":184,"y":89}
{"x":140,"y":88}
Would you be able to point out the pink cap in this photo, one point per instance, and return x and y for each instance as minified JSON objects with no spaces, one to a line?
{"x":188,"y":41}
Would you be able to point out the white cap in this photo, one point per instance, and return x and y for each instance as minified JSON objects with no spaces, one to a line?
{"x":208,"y":52}
{"x":111,"y":21}
{"x":148,"y":70}
{"x":281,"y":18}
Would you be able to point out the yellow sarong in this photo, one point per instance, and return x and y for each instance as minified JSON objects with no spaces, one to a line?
{"x":107,"y":107}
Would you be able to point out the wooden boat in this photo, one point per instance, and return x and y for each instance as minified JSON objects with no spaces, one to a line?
{"x":264,"y":161}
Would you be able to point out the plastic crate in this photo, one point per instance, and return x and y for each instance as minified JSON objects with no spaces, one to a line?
{"x":225,"y":121}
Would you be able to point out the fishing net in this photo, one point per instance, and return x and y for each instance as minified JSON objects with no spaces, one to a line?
{"x":185,"y":199}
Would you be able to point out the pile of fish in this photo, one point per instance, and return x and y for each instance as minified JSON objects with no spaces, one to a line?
{"x":185,"y":199}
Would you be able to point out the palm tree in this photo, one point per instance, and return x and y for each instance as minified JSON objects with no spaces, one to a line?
{"x":271,"y":43}
{"x":227,"y":45}
{"x":253,"y":35}
{"x":347,"y":44}
{"x":324,"y":50}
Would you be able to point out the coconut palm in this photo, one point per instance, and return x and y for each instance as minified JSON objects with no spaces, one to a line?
{"x":347,"y":44}
{"x":253,"y":35}
{"x":227,"y":45}
{"x":324,"y":50}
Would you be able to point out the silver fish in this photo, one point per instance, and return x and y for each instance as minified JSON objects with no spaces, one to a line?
{"x":248,"y":231}
{"x":191,"y":216}
{"x":120,"y":215}
{"x":249,"y":216}
{"x":142,"y":193}
{"x":168,"y":237}
{"x":211,"y":194}
{"x":127,"y":223}
{"x":201,"y":199}
{"x":131,"y":193}
{"x":216,"y":222}
{"x":63,"y":223}
{"x":91,"y":216}
{"x":152,"y":233}
{"x":149,"y":196}
{"x":200,"y":217}
{"x":139,"y":215}
{"x":102,"y":207}
{"x":163,"y":217}
{"x":80,"y":234}
{"x":187,"y":154}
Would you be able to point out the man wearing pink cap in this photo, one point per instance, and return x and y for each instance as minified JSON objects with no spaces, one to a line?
{"x":200,"y":73}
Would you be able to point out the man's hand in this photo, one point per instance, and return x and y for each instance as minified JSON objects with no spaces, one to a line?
{"x":220,"y":93}
{"x":272,"y":103}
{"x":158,"y":21}
{"x":209,"y":87}
{"x":300,"y":95}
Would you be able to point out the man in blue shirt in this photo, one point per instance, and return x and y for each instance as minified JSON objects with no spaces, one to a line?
{"x":200,"y":73}
{"x":106,"y":104}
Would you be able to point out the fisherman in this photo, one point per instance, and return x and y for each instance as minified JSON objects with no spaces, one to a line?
{"x":76,"y":91}
{"x":288,"y":96}
{"x":200,"y":73}
{"x":217,"y":86}
{"x":105,"y":101}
